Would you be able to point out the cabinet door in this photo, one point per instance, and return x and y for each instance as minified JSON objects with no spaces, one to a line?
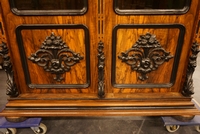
{"x":147,"y":45}
{"x":53,"y":47}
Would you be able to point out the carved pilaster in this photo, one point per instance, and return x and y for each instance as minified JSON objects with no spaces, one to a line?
{"x":101,"y":65}
{"x":7,"y":66}
{"x":188,"y":88}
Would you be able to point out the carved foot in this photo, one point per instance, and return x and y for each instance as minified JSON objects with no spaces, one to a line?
{"x":16,"y":119}
{"x":184,"y":118}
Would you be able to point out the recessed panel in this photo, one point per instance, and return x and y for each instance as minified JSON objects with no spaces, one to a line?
{"x":151,"y":6}
{"x":47,"y":7}
{"x":55,"y":56}
{"x":146,"y":56}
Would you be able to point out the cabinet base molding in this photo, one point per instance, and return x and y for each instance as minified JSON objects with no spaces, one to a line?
{"x":99,"y":108}
{"x":98,"y":113}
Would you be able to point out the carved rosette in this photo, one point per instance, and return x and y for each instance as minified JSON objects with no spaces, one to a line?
{"x":55,"y":56}
{"x":101,"y":66}
{"x":7,"y":66}
{"x":188,"y":88}
{"x":145,"y":56}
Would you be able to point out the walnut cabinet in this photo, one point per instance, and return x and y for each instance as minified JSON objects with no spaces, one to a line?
{"x":99,"y":57}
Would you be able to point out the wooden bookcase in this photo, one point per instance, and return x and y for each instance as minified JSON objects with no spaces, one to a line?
{"x":99,"y":57}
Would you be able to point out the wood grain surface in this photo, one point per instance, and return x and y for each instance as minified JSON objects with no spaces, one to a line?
{"x":101,"y":24}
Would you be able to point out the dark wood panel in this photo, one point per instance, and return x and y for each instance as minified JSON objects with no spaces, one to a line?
{"x":48,"y":4}
{"x":150,"y":4}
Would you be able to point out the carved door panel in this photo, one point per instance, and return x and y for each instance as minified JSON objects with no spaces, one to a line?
{"x":52,"y":42}
{"x":147,"y":42}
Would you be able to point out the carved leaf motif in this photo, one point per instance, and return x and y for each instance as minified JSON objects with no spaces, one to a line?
{"x":145,"y":56}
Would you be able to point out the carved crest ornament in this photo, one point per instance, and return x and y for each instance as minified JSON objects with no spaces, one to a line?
{"x":55,"y":56}
{"x":145,"y":56}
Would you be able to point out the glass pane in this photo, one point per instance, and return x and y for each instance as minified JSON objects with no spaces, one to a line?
{"x":151,"y":4}
{"x":48,"y":4}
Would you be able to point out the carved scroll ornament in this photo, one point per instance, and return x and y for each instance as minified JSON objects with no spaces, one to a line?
{"x":188,"y":88}
{"x":55,"y":56}
{"x":7,"y":66}
{"x":145,"y":56}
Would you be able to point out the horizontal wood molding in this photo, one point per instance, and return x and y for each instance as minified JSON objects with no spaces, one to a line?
{"x":97,"y":113}
{"x":95,"y":103}
{"x":109,"y":96}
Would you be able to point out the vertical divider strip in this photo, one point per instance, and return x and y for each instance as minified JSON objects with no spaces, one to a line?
{"x":101,"y":56}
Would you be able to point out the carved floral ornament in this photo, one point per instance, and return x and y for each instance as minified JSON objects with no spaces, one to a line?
{"x":55,"y":56}
{"x":145,"y":56}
